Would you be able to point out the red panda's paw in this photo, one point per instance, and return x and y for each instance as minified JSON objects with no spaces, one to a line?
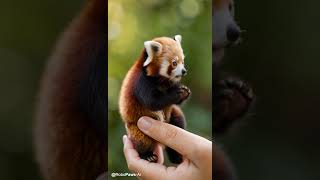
{"x":232,"y":101}
{"x":150,"y":157}
{"x":184,"y":93}
{"x":242,"y":87}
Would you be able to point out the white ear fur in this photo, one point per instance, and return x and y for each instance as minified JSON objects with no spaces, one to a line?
{"x":178,"y":38}
{"x":152,"y":48}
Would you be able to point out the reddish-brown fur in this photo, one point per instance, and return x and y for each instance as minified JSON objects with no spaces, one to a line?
{"x":131,"y":110}
{"x":67,"y":147}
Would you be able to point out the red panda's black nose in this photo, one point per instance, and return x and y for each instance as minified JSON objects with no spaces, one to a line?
{"x":233,"y":33}
{"x":184,"y":72}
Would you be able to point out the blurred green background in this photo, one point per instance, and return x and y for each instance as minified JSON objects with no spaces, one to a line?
{"x":133,"y":22}
{"x":280,"y":57}
{"x":28,"y":32}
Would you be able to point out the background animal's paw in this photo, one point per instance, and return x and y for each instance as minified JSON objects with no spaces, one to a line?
{"x":150,"y":157}
{"x":183,"y":93}
{"x":232,"y":100}
{"x":231,"y":85}
{"x":235,"y":90}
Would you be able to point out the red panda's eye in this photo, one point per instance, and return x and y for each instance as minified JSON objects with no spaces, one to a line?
{"x":174,"y":63}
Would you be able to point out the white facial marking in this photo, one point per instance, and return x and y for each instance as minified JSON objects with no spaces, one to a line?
{"x":220,"y":21}
{"x":164,"y":68}
{"x":176,"y":79}
{"x":178,"y":70}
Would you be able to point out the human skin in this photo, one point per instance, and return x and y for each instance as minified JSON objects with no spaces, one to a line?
{"x":196,"y":151}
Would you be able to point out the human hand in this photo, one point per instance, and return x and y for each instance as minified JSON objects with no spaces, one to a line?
{"x":196,"y":152}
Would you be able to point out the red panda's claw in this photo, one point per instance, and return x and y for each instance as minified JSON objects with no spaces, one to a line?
{"x":153,"y":158}
{"x":184,"y":92}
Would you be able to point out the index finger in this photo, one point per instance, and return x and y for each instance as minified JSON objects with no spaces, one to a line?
{"x":184,"y":142}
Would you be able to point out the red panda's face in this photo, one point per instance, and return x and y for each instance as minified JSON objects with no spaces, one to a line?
{"x":165,"y":58}
{"x":225,"y":29}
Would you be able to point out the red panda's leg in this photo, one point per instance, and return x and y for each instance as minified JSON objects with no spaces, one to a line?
{"x":142,"y":143}
{"x":177,"y":119}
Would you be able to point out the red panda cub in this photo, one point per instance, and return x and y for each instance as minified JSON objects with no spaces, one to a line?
{"x":152,"y":88}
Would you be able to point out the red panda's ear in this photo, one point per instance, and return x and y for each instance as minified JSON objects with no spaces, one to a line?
{"x":153,"y":48}
{"x":178,"y":38}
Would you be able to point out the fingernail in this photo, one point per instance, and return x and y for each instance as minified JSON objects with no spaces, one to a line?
{"x":144,"y":123}
{"x":124,"y":138}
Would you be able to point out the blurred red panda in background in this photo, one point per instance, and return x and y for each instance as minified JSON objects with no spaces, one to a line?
{"x":71,"y":119}
{"x":232,"y":97}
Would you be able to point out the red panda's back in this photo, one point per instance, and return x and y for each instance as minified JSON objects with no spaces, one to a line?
{"x":130,"y":108}
{"x":66,"y":144}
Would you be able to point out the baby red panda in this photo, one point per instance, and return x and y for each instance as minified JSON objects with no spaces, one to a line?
{"x":70,"y":133}
{"x":152,"y":88}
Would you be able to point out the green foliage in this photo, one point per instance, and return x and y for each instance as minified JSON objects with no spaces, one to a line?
{"x":133,"y":22}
